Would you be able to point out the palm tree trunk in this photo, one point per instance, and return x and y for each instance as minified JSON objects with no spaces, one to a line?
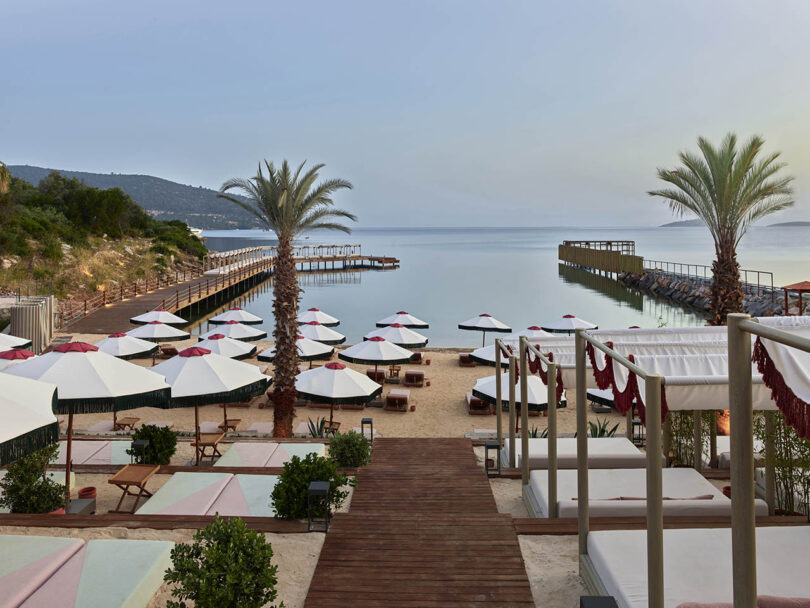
{"x":285,"y":309}
{"x":726,"y":295}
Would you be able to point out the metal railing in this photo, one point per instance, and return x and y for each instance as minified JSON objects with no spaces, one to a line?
{"x":754,"y":282}
{"x":625,"y":247}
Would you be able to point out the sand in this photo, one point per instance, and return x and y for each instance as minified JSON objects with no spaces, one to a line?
{"x":441,"y":411}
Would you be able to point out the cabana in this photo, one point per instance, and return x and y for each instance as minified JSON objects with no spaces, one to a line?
{"x":65,"y":572}
{"x":96,"y":452}
{"x":212,"y":493}
{"x":266,"y":454}
{"x":701,"y":564}
{"x":603,"y":453}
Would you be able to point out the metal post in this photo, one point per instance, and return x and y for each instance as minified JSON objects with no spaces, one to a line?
{"x":697,"y":439}
{"x":552,"y":439}
{"x":713,"y":440}
{"x":68,"y":456}
{"x":512,"y":450}
{"x":655,"y":498}
{"x":628,"y":421}
{"x":666,"y":431}
{"x":770,"y":456}
{"x":498,"y":400}
{"x":524,"y":415}
{"x":582,"y":443}
{"x":743,"y":516}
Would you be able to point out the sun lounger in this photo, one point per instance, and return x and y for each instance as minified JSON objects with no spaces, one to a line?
{"x":65,"y":572}
{"x":209,"y":427}
{"x":301,"y":429}
{"x":353,"y":406}
{"x":603,"y":453}
{"x":244,"y":454}
{"x":211,"y":493}
{"x":414,"y":378}
{"x":133,"y":476}
{"x":126,"y":423}
{"x":286,"y":451}
{"x":229,"y":424}
{"x":477,"y":407}
{"x":464,"y":360}
{"x":697,"y":564}
{"x":397,"y":400}
{"x":167,"y":351}
{"x":105,"y":426}
{"x":261,"y":428}
{"x":163,"y":424}
{"x":417,"y":358}
{"x":376,"y":375}
{"x":602,"y":401}
{"x":724,"y":451}
{"x":209,"y":445}
{"x":622,"y":493}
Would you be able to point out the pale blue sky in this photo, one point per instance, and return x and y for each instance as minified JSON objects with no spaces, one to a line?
{"x":440,"y":112}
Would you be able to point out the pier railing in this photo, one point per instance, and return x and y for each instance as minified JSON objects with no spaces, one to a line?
{"x":754,"y":282}
{"x":607,"y":256}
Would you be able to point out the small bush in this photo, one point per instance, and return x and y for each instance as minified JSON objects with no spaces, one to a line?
{"x":350,"y":449}
{"x":162,"y":443}
{"x":601,"y":428}
{"x":226,"y":565}
{"x":317,"y":428}
{"x":289,"y":496}
{"x":26,"y":487}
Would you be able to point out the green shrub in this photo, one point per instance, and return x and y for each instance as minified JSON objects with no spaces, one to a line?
{"x":600,"y":428}
{"x":790,"y":458}
{"x":26,"y":487}
{"x":162,"y":443}
{"x":226,"y":565}
{"x":317,"y":428}
{"x":289,"y":496}
{"x":350,"y":449}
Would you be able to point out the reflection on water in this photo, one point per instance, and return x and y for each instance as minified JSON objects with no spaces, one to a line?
{"x":606,"y":286}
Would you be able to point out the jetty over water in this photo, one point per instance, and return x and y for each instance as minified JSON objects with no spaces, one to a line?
{"x":223,"y":275}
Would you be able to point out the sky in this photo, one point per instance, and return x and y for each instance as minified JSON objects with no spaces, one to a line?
{"x":440,"y":112}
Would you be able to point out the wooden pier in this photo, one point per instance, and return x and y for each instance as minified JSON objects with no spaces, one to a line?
{"x":422,"y":530}
{"x":223,"y":275}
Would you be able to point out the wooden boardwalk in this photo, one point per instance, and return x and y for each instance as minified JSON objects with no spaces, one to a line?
{"x":422,"y":530}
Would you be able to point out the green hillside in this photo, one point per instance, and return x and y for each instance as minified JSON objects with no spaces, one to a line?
{"x":163,"y":199}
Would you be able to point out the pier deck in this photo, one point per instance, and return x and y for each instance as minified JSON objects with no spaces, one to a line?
{"x":422,"y":530}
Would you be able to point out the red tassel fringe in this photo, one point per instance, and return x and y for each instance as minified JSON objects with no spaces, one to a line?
{"x":795,"y":411}
{"x":536,"y":367}
{"x":604,"y":376}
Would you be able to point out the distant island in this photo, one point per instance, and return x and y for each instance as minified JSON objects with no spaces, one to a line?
{"x":682,"y":224}
{"x":789,"y":224}
{"x":161,"y":198}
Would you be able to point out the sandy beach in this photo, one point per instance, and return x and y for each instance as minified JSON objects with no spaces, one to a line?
{"x":440,"y":411}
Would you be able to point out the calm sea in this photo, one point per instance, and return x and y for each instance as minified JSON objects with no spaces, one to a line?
{"x":448,"y":275}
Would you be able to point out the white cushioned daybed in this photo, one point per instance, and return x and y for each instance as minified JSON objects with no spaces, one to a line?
{"x":603,"y":453}
{"x":684,"y":490}
{"x":697,"y":564}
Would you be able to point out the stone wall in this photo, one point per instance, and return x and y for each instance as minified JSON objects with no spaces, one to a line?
{"x":694,"y":293}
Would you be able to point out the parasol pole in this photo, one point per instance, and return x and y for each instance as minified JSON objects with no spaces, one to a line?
{"x":197,"y":434}
{"x":67,"y":459}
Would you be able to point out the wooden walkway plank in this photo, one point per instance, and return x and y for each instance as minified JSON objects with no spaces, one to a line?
{"x":422,"y":530}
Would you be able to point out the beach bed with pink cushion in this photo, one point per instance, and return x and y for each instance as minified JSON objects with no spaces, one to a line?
{"x":266,"y":454}
{"x":68,"y":572}
{"x":697,"y":564}
{"x":95,"y":452}
{"x":622,"y":493}
{"x":603,"y":453}
{"x":211,"y":493}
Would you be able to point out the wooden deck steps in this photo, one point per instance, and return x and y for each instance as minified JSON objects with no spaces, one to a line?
{"x":422,"y":530}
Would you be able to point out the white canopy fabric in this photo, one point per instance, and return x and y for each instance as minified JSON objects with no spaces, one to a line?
{"x":532,"y":333}
{"x":335,"y":383}
{"x":28,"y":421}
{"x":320,"y":333}
{"x":486,"y":356}
{"x":125,"y":346}
{"x":156,"y":331}
{"x":376,"y":351}
{"x":90,"y":381}
{"x":538,"y":392}
{"x":399,"y":335}
{"x":159,"y":314}
{"x":308,"y":350}
{"x":405,"y":319}
{"x":7,"y":342}
{"x":237,"y":331}
{"x":9,"y":358}
{"x":569,"y":324}
{"x":786,"y":372}
{"x":313,"y":314}
{"x":485,"y":322}
{"x":199,"y":377}
{"x":220,"y":344}
{"x":238,"y":315}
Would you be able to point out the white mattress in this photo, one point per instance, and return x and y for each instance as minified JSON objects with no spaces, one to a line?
{"x":603,"y":453}
{"x":697,"y":564}
{"x":724,"y":450}
{"x":606,"y":484}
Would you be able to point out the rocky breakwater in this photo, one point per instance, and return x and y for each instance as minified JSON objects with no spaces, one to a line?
{"x":695,"y":293}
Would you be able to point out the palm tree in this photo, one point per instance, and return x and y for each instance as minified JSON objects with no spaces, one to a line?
{"x":728,"y":189}
{"x":288,"y":203}
{"x":5,"y":178}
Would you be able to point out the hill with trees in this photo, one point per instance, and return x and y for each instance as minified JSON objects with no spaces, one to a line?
{"x":162,"y":199}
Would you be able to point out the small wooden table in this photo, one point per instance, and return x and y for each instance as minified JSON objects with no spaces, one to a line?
{"x":230,"y":424}
{"x":209,"y":441}
{"x":133,"y":475}
{"x":125,"y":424}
